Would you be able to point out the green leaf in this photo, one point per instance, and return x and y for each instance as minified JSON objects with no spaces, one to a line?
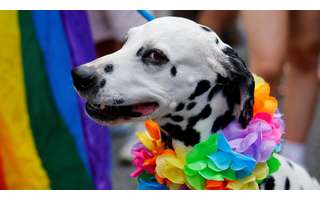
{"x":201,"y":150}
{"x":209,"y":174}
{"x":197,"y":166}
{"x":229,"y":174}
{"x":189,"y":172}
{"x":197,"y":182}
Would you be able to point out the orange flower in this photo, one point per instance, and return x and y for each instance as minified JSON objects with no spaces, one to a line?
{"x":263,"y":102}
{"x":151,"y":139}
{"x":153,"y":129}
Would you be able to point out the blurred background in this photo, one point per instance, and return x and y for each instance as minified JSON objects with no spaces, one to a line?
{"x":46,"y":140}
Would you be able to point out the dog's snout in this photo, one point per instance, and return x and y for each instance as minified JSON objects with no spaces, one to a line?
{"x":84,"y":77}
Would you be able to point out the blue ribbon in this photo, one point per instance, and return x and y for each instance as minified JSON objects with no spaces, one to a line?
{"x":146,"y":15}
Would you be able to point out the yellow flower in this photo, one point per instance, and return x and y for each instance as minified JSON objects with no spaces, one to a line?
{"x":170,"y":165}
{"x":147,"y":141}
{"x":250,"y":182}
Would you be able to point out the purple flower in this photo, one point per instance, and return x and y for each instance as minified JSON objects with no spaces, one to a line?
{"x":259,"y":138}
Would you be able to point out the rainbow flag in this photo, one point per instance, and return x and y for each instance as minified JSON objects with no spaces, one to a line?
{"x":46,"y":140}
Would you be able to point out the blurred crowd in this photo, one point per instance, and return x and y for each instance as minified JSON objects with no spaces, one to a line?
{"x":281,"y":46}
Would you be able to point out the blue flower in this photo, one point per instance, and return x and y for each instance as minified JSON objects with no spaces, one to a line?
{"x":225,"y":158}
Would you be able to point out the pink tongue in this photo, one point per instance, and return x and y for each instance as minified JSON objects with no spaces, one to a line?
{"x":145,"y":110}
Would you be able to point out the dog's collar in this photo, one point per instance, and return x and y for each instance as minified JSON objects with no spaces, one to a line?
{"x":233,"y":158}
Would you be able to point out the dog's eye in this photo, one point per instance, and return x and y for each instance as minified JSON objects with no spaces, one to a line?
{"x":155,"y":56}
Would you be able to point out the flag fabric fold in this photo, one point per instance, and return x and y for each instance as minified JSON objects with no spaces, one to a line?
{"x":22,"y":167}
{"x":56,"y":52}
{"x":98,"y":139}
{"x":46,"y":140}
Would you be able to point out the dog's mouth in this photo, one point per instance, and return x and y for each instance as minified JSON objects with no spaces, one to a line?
{"x":123,"y":112}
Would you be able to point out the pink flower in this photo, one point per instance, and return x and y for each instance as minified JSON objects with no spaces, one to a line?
{"x":276,"y":125}
{"x":140,"y":155}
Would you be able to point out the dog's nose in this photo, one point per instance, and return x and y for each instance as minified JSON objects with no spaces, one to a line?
{"x":84,"y":77}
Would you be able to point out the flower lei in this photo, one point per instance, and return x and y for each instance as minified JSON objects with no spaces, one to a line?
{"x":234,"y":158}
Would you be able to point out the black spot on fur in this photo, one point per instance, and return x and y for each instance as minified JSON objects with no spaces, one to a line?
{"x":214,"y":90}
{"x":167,"y":116}
{"x":205,"y":113}
{"x":217,"y":41}
{"x":102,"y":83}
{"x":191,"y":105}
{"x":230,"y":52}
{"x":108,"y":68}
{"x":190,"y":136}
{"x":201,"y":88}
{"x":167,"y":140}
{"x":173,"y":71}
{"x":270,"y":183}
{"x":241,"y":80}
{"x":176,"y":118}
{"x":287,"y":184}
{"x":180,"y":107}
{"x":246,"y":112}
{"x":140,"y":51}
{"x":230,"y":90}
{"x":290,"y":164}
{"x":206,"y":28}
{"x":222,"y":121}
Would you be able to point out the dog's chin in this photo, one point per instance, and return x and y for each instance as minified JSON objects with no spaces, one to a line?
{"x":115,"y":115}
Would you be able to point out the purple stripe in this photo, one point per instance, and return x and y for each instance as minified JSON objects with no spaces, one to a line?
{"x":98,"y":141}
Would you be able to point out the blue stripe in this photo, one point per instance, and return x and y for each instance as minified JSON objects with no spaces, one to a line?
{"x":54,"y":46}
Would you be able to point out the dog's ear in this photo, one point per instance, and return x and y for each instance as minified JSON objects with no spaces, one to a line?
{"x":241,"y":80}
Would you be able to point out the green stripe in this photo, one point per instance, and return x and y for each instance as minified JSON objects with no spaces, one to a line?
{"x":53,"y":140}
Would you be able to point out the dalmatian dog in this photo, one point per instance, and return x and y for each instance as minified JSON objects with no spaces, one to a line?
{"x":180,"y":74}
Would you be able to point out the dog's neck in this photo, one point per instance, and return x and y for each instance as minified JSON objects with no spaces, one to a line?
{"x":194,"y":120}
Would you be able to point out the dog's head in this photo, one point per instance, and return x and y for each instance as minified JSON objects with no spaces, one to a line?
{"x":167,"y":66}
